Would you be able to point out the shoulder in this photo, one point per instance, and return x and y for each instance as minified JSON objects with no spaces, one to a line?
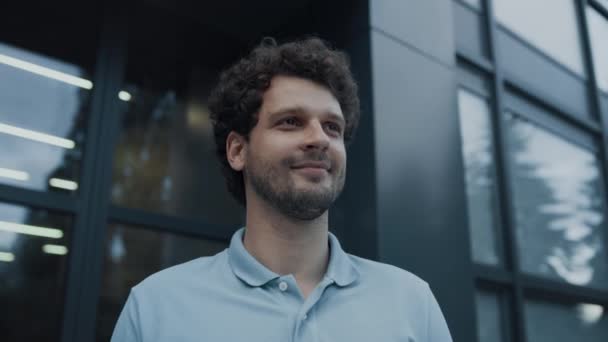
{"x":389,"y":276}
{"x":406,"y":294}
{"x":186,"y":274}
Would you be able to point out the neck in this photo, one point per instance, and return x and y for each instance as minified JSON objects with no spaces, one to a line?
{"x":287,"y":246}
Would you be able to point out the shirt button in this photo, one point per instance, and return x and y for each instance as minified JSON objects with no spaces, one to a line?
{"x":282,"y":286}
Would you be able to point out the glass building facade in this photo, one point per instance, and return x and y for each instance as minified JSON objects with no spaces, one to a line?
{"x":531,"y":105}
{"x":480,"y":164}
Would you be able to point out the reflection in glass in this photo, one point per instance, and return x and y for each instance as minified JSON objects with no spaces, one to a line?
{"x":550,"y":25}
{"x":43,"y":106}
{"x":131,"y":255}
{"x":476,"y":131}
{"x":598,"y":34}
{"x":33,"y":263}
{"x":555,"y":322}
{"x":489,"y":328}
{"x":559,"y":206}
{"x":165,"y":159}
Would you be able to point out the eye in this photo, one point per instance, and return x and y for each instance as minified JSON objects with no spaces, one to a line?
{"x":334,"y":127}
{"x":289,"y":121}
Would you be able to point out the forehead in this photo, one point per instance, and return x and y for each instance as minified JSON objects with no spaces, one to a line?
{"x":290,"y":91}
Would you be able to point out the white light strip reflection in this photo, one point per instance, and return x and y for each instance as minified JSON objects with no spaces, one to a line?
{"x":46,"y":72}
{"x":14,"y":174}
{"x":55,"y":249}
{"x":7,"y":257}
{"x":63,"y":184}
{"x":590,"y":314}
{"x":36,"y":136}
{"x":124,"y":95}
{"x":31,"y":230}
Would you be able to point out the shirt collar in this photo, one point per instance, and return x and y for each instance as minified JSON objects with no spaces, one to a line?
{"x":340,"y":269}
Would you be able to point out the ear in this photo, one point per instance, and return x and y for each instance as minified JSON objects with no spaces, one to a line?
{"x":236,"y":146}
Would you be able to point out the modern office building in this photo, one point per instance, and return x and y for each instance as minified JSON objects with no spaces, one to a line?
{"x":480,"y":163}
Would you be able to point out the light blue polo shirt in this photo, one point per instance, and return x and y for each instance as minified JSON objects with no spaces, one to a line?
{"x":231,"y":297}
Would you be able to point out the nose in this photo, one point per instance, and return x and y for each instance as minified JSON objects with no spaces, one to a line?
{"x":316,"y":137}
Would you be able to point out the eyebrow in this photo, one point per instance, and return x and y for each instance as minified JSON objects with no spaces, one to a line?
{"x":300,"y":110}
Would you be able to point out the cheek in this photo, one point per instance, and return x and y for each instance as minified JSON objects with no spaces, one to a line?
{"x":272,"y":155}
{"x":340,"y":155}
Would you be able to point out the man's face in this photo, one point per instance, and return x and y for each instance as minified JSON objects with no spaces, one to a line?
{"x":295,"y":159}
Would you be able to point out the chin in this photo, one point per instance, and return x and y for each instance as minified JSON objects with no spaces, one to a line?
{"x":314,"y":186}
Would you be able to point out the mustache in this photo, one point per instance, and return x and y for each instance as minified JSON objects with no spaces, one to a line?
{"x":313,"y":156}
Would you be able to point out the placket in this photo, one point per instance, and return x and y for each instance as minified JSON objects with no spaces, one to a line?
{"x":305,"y":328}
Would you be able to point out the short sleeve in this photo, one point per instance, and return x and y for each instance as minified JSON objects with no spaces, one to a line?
{"x":127,"y":327}
{"x":437,"y":328}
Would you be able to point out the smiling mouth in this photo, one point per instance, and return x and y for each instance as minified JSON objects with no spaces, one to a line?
{"x":310,"y":168}
{"x":312,"y":171}
{"x":325,"y":165}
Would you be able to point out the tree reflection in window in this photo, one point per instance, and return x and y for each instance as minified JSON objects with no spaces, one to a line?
{"x":476,"y":132}
{"x":559,"y":206}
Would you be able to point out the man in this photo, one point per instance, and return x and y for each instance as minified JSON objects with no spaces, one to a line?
{"x":282,"y":117}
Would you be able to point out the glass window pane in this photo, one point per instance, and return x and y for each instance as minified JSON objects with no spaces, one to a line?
{"x":489,"y":327}
{"x":43,"y":109}
{"x":132,"y":254}
{"x":165,"y":158}
{"x":476,"y":132}
{"x":598,"y":33}
{"x":557,"y":322}
{"x":33,"y":260}
{"x":557,"y":34}
{"x":559,"y":206}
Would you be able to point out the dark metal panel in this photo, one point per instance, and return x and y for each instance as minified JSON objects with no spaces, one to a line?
{"x":360,"y":235}
{"x":53,"y":201}
{"x":551,"y":81}
{"x":422,"y":223}
{"x":426,"y":26}
{"x":470,"y":31}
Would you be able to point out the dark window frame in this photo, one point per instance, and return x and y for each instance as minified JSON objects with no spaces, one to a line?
{"x":511,"y":284}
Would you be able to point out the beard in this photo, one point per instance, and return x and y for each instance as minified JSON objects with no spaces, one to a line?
{"x":278,"y":188}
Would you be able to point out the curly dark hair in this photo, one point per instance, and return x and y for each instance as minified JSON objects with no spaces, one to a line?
{"x":236,"y":100}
